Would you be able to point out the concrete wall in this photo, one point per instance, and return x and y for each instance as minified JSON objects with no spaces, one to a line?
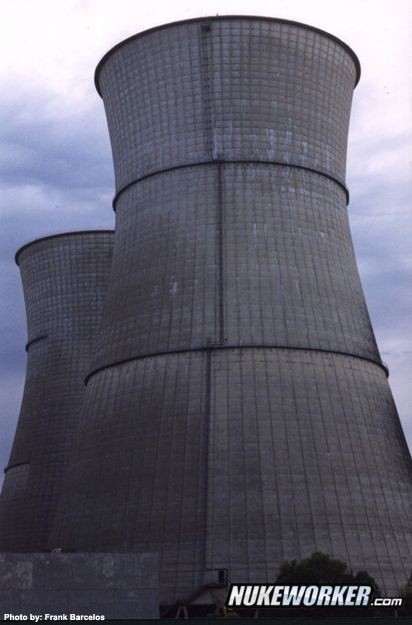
{"x":236,"y":253}
{"x":237,"y":395}
{"x":64,"y":281}
{"x":110,"y":585}
{"x":229,"y":89}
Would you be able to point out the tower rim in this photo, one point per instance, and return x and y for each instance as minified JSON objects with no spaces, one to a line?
{"x":215,"y":18}
{"x":57,"y":235}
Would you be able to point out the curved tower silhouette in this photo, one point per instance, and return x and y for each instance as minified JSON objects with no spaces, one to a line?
{"x":237,"y":394}
{"x":64,"y":281}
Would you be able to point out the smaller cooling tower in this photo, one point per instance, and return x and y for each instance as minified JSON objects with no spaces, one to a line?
{"x":64,"y":280}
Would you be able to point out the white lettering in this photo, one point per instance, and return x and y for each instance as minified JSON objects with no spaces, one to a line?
{"x":311,"y":595}
{"x":363,"y":595}
{"x":250,"y":595}
{"x":277,"y":595}
{"x":236,"y":595}
{"x":338,"y":597}
{"x":325,"y":594}
{"x":264,"y":595}
{"x":293,"y":595}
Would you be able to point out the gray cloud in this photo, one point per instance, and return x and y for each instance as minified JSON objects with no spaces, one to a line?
{"x":381,"y":222}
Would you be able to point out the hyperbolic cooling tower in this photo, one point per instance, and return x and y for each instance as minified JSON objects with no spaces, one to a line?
{"x":64,"y":280}
{"x":237,"y":412}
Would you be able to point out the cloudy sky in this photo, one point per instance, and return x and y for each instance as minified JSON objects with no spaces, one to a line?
{"x":56,"y":168}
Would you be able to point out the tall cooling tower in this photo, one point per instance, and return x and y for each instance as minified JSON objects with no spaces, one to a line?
{"x":237,"y":412}
{"x":64,"y":280}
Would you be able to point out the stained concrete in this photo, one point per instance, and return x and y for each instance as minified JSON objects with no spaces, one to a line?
{"x":110,"y":585}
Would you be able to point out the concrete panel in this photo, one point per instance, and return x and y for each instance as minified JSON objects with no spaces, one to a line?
{"x":238,"y":459}
{"x":228,"y":89}
{"x":233,"y":254}
{"x":112,"y":585}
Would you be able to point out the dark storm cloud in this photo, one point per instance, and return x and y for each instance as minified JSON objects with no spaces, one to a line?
{"x":64,"y":153}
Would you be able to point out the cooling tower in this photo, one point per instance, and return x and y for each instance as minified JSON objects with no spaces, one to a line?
{"x":64,"y":281}
{"x":237,"y":395}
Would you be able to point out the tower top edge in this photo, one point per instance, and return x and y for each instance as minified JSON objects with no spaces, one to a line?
{"x":221,"y":18}
{"x":57,"y":235}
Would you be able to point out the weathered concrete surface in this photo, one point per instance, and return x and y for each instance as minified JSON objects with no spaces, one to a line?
{"x":64,"y":279}
{"x":114,"y":585}
{"x":237,"y":410}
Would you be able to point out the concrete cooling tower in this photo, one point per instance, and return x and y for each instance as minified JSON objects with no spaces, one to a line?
{"x":237,"y":412}
{"x":64,"y":280}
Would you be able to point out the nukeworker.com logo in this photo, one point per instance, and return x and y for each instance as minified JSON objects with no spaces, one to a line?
{"x":272,"y":596}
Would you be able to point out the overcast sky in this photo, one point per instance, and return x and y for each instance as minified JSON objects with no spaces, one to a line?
{"x":56,"y":166}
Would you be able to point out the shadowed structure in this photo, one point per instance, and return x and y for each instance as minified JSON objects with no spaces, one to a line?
{"x":64,"y":281}
{"x":237,"y":394}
